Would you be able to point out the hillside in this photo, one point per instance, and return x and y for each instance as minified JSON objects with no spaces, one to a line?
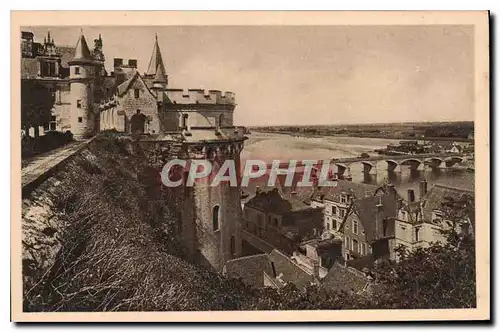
{"x":99,"y":236}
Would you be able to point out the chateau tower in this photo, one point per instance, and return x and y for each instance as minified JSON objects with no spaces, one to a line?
{"x":211,"y":214}
{"x":82,"y":84}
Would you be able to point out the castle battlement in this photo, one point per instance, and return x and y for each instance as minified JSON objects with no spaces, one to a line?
{"x":200,"y":96}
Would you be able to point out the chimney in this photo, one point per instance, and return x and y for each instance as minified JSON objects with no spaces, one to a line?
{"x":117,"y":62}
{"x":411,"y":196}
{"x":423,"y":188}
{"x":132,"y":63}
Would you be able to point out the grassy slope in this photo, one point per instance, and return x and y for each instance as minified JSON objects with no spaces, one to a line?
{"x":118,"y":249}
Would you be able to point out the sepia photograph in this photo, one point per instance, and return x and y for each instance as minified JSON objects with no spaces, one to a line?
{"x":258,"y":166}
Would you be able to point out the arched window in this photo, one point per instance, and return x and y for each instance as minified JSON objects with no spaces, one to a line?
{"x":215,"y":217}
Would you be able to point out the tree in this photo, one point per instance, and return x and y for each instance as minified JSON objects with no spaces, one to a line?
{"x":36,"y":105}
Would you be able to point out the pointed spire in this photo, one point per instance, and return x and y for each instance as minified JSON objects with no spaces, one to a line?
{"x":82,"y":51}
{"x":48,"y":36}
{"x":156,"y":60}
{"x":160,"y":76}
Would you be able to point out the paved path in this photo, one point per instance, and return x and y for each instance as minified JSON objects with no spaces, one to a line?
{"x":37,"y":168}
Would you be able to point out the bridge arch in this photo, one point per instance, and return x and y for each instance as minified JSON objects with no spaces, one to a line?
{"x":412,"y":162}
{"x":453,"y":160}
{"x":393,"y":166}
{"x":434,"y":162}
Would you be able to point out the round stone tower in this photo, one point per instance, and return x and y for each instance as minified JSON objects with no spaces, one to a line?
{"x":82,"y":79}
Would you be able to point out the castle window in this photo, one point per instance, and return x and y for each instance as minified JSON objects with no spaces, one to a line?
{"x":77,"y":70}
{"x":355,"y":226}
{"x":327,"y":226}
{"x":136,"y":93}
{"x":80,"y":119}
{"x":233,"y":245}
{"x":347,"y":242}
{"x":417,"y":230}
{"x":215,"y":218}
{"x":384,"y":227}
{"x":221,"y":118}
{"x":184,"y":121}
{"x":79,"y":103}
{"x":355,"y":245}
{"x":334,"y":224}
{"x":334,"y":210}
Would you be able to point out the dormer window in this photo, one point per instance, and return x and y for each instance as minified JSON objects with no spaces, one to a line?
{"x":343,"y":198}
{"x":77,"y":70}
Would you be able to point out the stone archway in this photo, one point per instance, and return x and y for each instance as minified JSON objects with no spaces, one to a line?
{"x":137,"y":123}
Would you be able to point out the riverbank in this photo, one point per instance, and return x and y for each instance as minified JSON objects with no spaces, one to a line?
{"x":357,"y":135}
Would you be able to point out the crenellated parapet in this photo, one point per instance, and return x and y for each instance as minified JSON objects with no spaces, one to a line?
{"x":200,"y":97}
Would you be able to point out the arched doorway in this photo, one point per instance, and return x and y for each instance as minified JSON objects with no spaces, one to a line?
{"x":137,"y":123}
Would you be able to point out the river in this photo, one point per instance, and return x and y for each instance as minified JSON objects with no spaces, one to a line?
{"x":283,"y":147}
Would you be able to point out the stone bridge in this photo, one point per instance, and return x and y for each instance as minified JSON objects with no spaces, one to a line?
{"x":394,"y":163}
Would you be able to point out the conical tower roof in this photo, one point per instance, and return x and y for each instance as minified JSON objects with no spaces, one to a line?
{"x":156,"y":60}
{"x":160,"y":76}
{"x":82,"y":52}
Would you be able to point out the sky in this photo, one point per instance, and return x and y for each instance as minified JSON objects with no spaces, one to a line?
{"x":306,"y":75}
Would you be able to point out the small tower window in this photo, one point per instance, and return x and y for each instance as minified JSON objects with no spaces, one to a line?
{"x":80,"y":119}
{"x":77,"y":70}
{"x":136,"y":93}
{"x":215,"y":218}
{"x":233,"y":245}
{"x":79,"y":103}
{"x":221,"y":119}
{"x":184,"y":121}
{"x":417,"y":238}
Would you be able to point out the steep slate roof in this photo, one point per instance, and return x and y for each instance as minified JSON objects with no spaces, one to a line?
{"x":346,"y":279}
{"x":82,"y":51}
{"x":156,"y":60}
{"x":250,"y":269}
{"x":359,"y":190}
{"x":366,"y":210}
{"x":292,"y":272}
{"x":436,"y":196}
{"x":273,"y":201}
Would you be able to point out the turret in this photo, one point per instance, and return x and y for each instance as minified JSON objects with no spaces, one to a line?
{"x":82,"y":74}
{"x":156,"y":68}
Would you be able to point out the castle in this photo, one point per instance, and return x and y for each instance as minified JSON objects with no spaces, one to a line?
{"x":187,"y":124}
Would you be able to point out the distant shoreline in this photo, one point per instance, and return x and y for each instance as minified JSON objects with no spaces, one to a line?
{"x":392,"y":137}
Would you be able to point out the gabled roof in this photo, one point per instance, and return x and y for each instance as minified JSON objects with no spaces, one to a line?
{"x":366,"y":210}
{"x":156,"y":60}
{"x":132,"y":76}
